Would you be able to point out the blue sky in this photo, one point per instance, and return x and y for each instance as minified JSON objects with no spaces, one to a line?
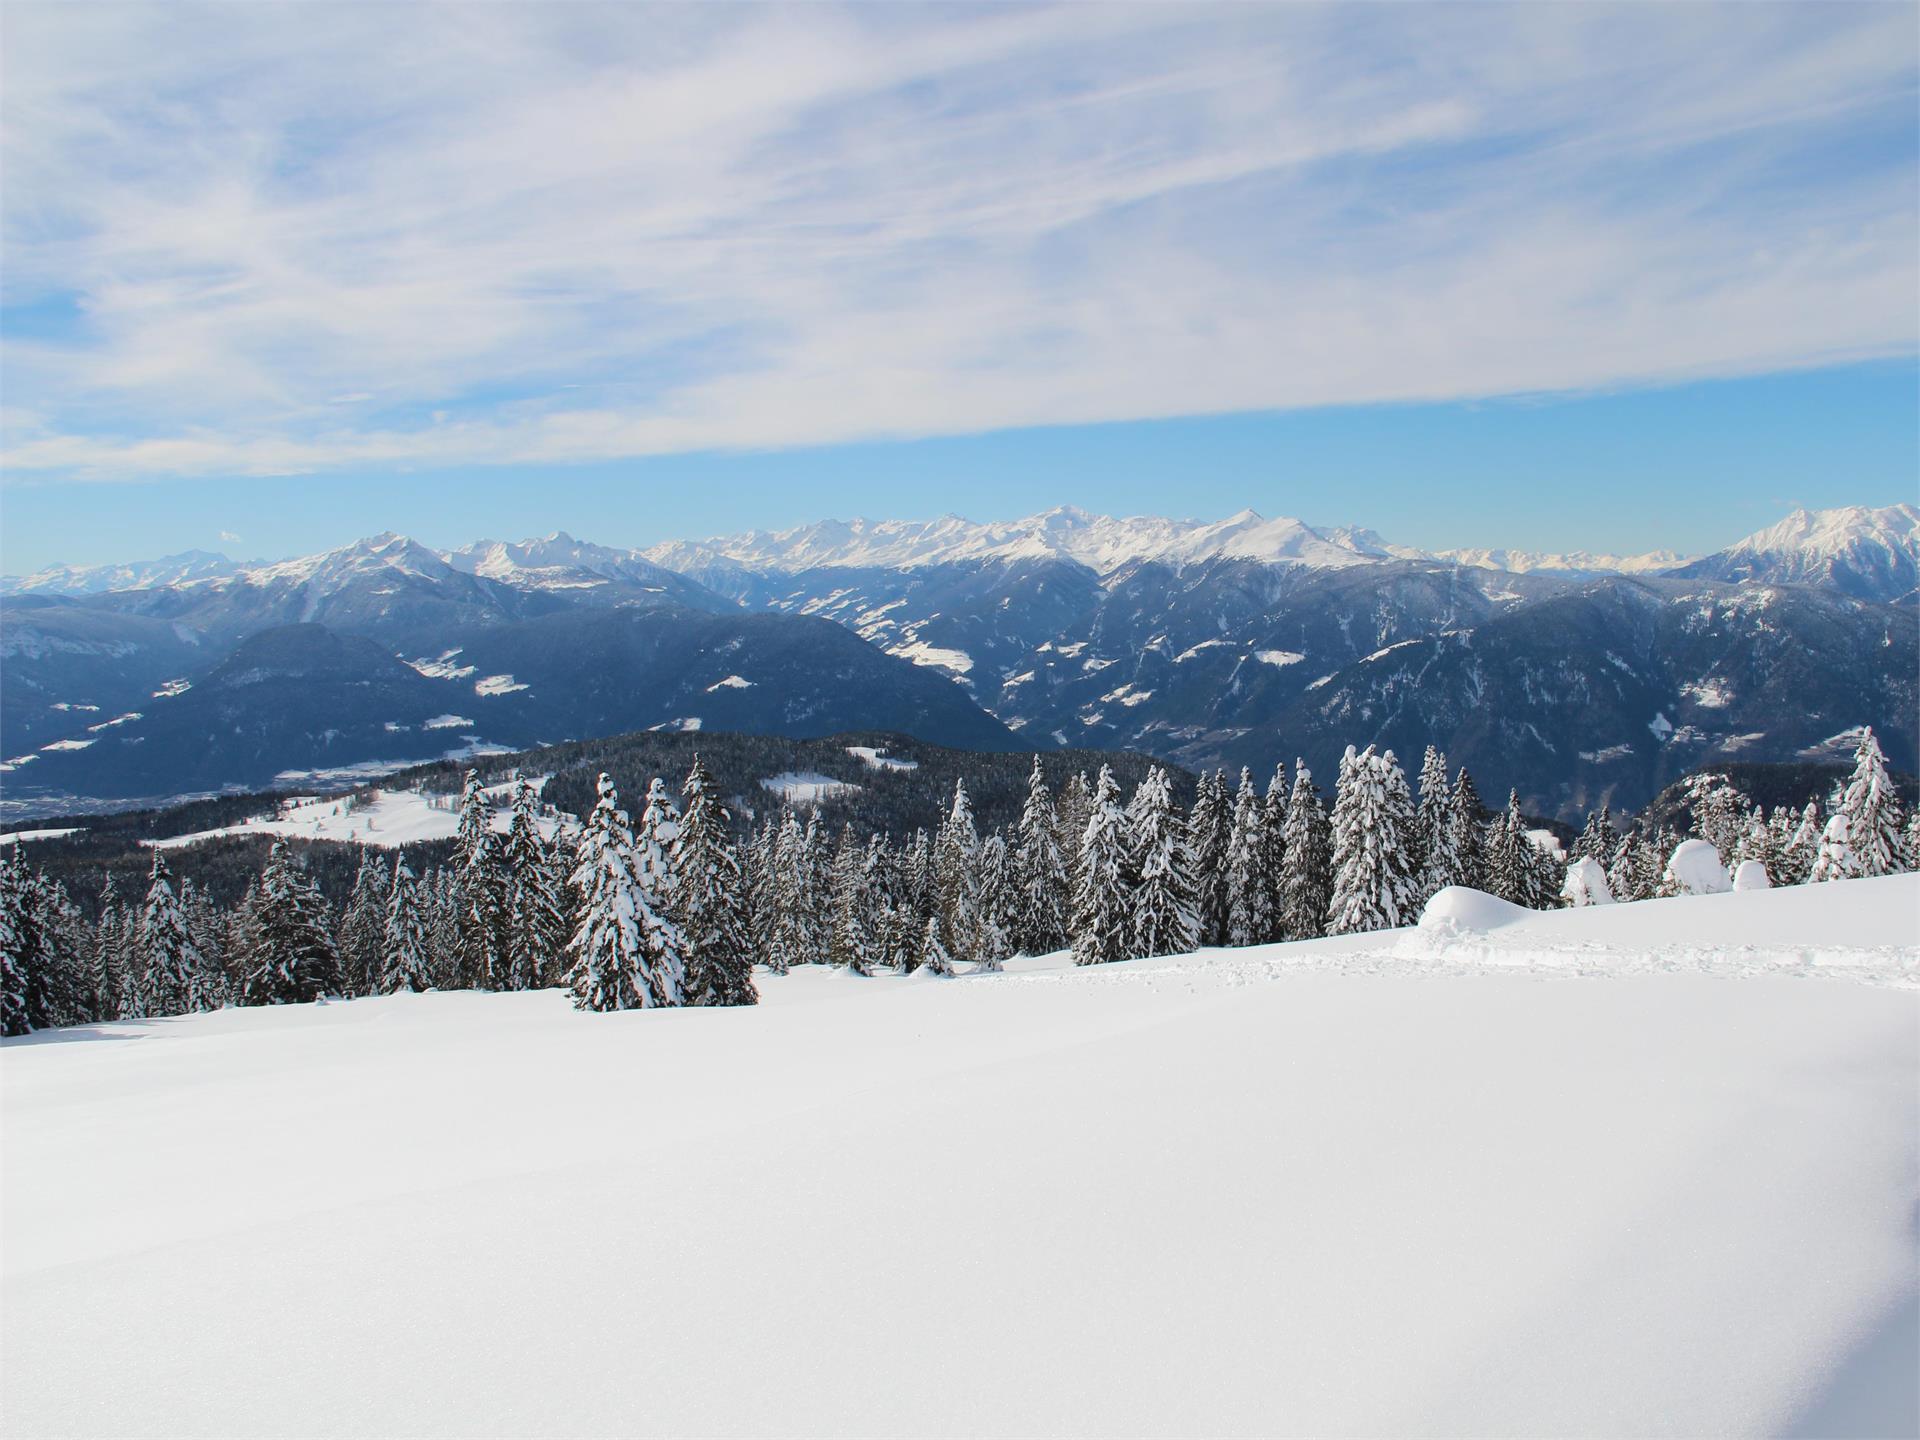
{"x":1537,"y":276}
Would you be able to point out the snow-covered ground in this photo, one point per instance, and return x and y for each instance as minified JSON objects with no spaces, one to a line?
{"x":387,"y":818}
{"x":1646,"y":1169}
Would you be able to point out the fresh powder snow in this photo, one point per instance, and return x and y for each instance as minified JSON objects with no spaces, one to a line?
{"x":1636,"y":1169}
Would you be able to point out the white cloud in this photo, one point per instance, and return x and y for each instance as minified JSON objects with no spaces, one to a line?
{"x":412,"y":236}
{"x":230,"y":537}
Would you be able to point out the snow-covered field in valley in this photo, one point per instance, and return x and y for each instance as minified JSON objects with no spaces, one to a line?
{"x":1648,"y":1169}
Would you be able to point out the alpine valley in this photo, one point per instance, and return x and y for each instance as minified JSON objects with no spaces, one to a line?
{"x":1572,"y":678}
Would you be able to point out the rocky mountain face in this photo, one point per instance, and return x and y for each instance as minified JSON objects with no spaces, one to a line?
{"x":1572,"y":678}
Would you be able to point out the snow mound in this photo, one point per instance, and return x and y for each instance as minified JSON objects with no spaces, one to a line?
{"x":1695,"y":869}
{"x":1460,"y":909}
{"x":1586,"y":883}
{"x":1751,"y":875}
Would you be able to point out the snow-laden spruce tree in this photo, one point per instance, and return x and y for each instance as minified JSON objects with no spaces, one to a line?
{"x":847,"y":906}
{"x":994,"y":896}
{"x":1373,"y":884}
{"x":1875,"y":818}
{"x":107,"y":974}
{"x":404,"y":961}
{"x":1075,"y":808}
{"x":1598,"y":839}
{"x":1163,"y":921}
{"x":42,"y":950}
{"x":16,"y":945}
{"x":1836,"y":858}
{"x":1509,"y":866}
{"x":1042,"y":886}
{"x":1467,"y":850}
{"x":1718,"y":811}
{"x":1250,"y":919}
{"x":1307,"y":885}
{"x":709,"y":896}
{"x":1273,"y":861}
{"x":624,"y":953}
{"x":789,"y":938}
{"x":481,"y":898}
{"x":169,"y":963}
{"x":363,"y":928}
{"x":208,"y":935}
{"x":1802,"y":847}
{"x":536,"y":919}
{"x":956,"y":853}
{"x":933,"y":958}
{"x":1209,"y":832}
{"x":1102,"y":899}
{"x":293,"y":960}
{"x":1433,"y":828}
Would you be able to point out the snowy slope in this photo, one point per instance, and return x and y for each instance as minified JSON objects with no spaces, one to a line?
{"x":1363,"y":1186}
{"x":385,"y":818}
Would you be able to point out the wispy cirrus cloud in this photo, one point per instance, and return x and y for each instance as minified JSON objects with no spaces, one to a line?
{"x":267,"y":240}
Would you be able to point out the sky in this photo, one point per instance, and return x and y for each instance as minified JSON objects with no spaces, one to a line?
{"x":1553,"y":277}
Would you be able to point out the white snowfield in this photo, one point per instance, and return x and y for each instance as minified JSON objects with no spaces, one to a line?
{"x":385,"y":818}
{"x":1630,"y":1170}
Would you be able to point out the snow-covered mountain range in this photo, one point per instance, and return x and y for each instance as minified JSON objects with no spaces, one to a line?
{"x":1242,"y":641}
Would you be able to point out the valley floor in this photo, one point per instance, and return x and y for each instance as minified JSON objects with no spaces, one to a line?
{"x":1642,"y":1170}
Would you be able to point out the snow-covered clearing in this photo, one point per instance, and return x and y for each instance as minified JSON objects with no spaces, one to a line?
{"x":874,"y":759}
{"x":957,"y":662}
{"x":22,"y":836}
{"x":806,"y":787}
{"x":386,"y":818}
{"x":1465,"y":1181}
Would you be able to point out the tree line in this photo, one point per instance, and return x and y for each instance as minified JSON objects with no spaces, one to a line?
{"x":679,"y":908}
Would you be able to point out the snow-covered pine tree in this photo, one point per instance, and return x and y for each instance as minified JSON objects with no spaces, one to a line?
{"x":169,"y":964}
{"x":624,"y":954}
{"x":1469,"y":823}
{"x":1913,"y":840}
{"x":1757,"y":845}
{"x":1803,"y":843}
{"x":1209,"y":834}
{"x":1372,"y":883}
{"x":1509,"y":865}
{"x":956,"y":854}
{"x":241,"y":946}
{"x":1875,"y":818}
{"x":709,"y":899}
{"x":934,"y":959}
{"x":1836,"y":858}
{"x":846,"y":886}
{"x":1598,"y":839}
{"x":1307,"y":884}
{"x":1250,"y":919}
{"x":993,"y":901}
{"x":107,"y":973}
{"x":1433,"y":828}
{"x":1075,"y":808}
{"x":363,"y":927}
{"x":536,"y":908}
{"x":811,"y":895}
{"x":204,"y":928}
{"x":294,"y":962}
{"x":1163,"y":922}
{"x":482,"y":899}
{"x":18,"y":943}
{"x":1040,"y":879}
{"x":1273,"y":860}
{"x":46,"y":948}
{"x":404,"y":962}
{"x":439,"y":891}
{"x":1102,"y":905}
{"x":786,"y":904}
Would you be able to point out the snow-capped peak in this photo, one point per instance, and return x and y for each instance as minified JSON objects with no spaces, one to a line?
{"x":1873,"y":554}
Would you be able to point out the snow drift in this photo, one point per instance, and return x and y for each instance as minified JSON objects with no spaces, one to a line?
{"x":1516,"y":1179}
